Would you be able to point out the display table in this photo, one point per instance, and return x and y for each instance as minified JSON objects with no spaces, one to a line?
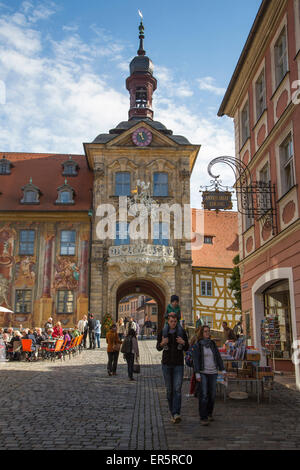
{"x":245,"y":374}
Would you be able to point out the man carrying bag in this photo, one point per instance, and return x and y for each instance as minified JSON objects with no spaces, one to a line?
{"x":130,"y":349}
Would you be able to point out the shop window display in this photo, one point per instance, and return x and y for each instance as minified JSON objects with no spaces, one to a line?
{"x":278,"y":317}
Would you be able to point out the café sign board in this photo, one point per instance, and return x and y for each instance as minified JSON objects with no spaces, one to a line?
{"x":217,"y":200}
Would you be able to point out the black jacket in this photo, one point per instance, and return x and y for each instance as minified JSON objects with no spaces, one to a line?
{"x":198,"y":357}
{"x":173,"y":356}
{"x":91,"y":324}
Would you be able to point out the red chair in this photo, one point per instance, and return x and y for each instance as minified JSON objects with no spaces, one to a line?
{"x":58,"y":345}
{"x":27,"y":348}
{"x":70,"y":348}
{"x":63,"y":350}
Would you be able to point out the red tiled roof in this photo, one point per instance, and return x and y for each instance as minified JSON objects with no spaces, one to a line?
{"x":46,"y":173}
{"x":223,"y":227}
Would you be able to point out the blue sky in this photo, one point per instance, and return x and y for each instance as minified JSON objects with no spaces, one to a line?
{"x":64,"y":65}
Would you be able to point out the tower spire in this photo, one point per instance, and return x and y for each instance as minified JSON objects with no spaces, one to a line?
{"x":141,"y":84}
{"x":141,"y":50}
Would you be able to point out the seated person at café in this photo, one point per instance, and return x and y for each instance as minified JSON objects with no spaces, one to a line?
{"x":25,"y":333}
{"x":75,"y":332}
{"x":67,"y":337}
{"x":6,"y":337}
{"x":57,"y":330}
{"x":39,"y":336}
{"x":50,"y":333}
{"x":10,"y":332}
{"x":17,"y":337}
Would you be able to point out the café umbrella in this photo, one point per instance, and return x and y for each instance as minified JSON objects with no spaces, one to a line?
{"x":5,"y":310}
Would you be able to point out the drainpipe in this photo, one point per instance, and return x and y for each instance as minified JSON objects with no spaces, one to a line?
{"x":90,"y":214}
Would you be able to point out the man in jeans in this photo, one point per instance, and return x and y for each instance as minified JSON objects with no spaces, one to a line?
{"x":92,"y":326}
{"x":173,"y":365}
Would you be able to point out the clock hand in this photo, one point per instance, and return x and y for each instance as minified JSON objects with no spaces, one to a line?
{"x":141,"y":135}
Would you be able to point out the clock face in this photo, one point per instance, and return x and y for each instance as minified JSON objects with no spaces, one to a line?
{"x":142,"y":137}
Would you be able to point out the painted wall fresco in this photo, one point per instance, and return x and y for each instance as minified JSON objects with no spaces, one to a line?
{"x":66,"y":274}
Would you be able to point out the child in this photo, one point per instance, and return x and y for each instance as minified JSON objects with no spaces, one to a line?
{"x":173,"y":307}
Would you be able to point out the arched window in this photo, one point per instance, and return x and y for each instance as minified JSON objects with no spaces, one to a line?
{"x":141,"y":97}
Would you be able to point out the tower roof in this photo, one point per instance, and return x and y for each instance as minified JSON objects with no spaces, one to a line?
{"x":141,"y":63}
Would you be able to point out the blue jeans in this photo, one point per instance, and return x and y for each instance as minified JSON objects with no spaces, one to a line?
{"x":97,"y":337}
{"x":130,"y":362}
{"x":173,"y":376}
{"x":207,"y":394}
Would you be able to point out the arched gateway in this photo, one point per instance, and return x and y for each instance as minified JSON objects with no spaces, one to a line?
{"x":147,"y":287}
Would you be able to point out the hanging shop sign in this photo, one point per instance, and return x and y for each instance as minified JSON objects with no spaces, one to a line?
{"x":217,"y":200}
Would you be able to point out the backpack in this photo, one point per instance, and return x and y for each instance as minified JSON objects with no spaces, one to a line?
{"x":189,"y":357}
{"x":126,"y":345}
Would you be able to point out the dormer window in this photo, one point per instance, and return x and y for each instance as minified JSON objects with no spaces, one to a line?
{"x":5,"y":166}
{"x":31,"y":194}
{"x":65,"y":194}
{"x":70,"y":167}
{"x":141,"y":97}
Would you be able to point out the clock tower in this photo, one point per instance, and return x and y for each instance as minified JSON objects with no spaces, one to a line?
{"x":140,"y":159}
{"x":141,"y":84}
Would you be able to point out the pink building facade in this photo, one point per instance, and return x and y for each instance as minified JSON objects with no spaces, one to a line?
{"x":263,"y":98}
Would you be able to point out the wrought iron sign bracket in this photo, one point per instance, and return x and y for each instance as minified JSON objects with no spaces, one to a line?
{"x":256,"y":200}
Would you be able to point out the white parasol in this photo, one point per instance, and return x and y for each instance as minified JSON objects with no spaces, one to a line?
{"x":6,"y":310}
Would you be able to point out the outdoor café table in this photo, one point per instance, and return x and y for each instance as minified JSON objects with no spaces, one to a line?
{"x":50,"y":342}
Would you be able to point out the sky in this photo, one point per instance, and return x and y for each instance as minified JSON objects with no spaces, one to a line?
{"x":63,"y":66}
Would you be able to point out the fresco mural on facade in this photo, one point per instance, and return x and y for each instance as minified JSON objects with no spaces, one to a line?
{"x":7,"y":236}
{"x":66,"y":274}
{"x":25,"y":271}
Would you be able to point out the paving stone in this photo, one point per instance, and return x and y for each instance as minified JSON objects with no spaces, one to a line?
{"x":75,"y":405}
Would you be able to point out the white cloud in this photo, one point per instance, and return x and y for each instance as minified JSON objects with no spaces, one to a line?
{"x":70,"y":28}
{"x":207,"y":84}
{"x":57,"y":100}
{"x":168,"y":85}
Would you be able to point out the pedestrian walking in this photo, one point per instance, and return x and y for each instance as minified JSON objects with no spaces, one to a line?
{"x":113,"y":349}
{"x":228,"y":333}
{"x":193,"y":341}
{"x":92,"y":326}
{"x":207,"y":362}
{"x":130,"y":349}
{"x":173,"y":308}
{"x":238,"y":329}
{"x":98,"y":332}
{"x":130,"y":325}
{"x":83,"y":329}
{"x":173,"y":364}
{"x":121,"y":328}
{"x":147,"y":327}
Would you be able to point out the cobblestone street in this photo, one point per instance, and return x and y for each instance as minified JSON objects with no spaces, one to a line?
{"x":75,"y":405}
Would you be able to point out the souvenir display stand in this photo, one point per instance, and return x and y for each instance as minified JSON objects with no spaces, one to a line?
{"x":243,"y":371}
{"x":270,"y":337}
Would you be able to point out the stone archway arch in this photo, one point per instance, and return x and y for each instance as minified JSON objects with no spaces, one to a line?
{"x":152,"y":287}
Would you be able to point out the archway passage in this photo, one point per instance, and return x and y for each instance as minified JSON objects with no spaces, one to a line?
{"x":144,"y":286}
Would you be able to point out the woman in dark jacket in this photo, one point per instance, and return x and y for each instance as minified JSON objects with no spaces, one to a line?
{"x":207,"y":362}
